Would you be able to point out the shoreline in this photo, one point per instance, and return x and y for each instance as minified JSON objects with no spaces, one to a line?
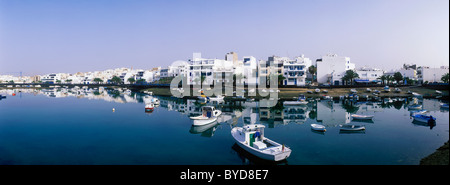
{"x":438,"y":157}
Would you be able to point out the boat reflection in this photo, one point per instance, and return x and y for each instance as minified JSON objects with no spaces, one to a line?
{"x":204,"y":130}
{"x":429,"y":124}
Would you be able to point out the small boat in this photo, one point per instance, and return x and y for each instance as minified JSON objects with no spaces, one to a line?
{"x":317,"y":90}
{"x":251,"y":138}
{"x":353,"y":91}
{"x":438,"y":92}
{"x":376,"y":91}
{"x":444,"y":105}
{"x":352,"y":127}
{"x":318,"y":127}
{"x":409,"y":92}
{"x":309,"y":92}
{"x":424,"y":118}
{"x":368,"y":90}
{"x":416,"y":112}
{"x":386,"y":89}
{"x":416,"y":95}
{"x":149,"y":107}
{"x":415,"y":107}
{"x":209,"y":115}
{"x":301,"y":101}
{"x":325,"y":91}
{"x":397,"y":90}
{"x":362,"y":117}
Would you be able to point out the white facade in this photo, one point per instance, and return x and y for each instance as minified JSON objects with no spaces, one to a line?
{"x":432,"y":74}
{"x":250,"y":70}
{"x":295,"y":71}
{"x":369,"y":74}
{"x":331,"y":69}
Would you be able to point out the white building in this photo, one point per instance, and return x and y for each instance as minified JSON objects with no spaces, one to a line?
{"x":431,"y":74}
{"x":295,"y":71}
{"x":212,"y":70}
{"x":331,"y":68}
{"x":369,"y":75}
{"x":250,"y":70}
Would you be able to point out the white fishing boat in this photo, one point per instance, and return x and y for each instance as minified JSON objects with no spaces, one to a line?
{"x":368,"y":90}
{"x":318,"y":127}
{"x":317,"y":90}
{"x":386,"y":89}
{"x":300,"y":101}
{"x":362,"y":117}
{"x":209,"y":115}
{"x":353,"y":91}
{"x":251,"y":138}
{"x":155,"y":101}
{"x":352,"y":127}
{"x":217,"y":98}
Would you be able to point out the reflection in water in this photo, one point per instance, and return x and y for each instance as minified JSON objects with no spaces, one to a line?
{"x":205,"y":130}
{"x":327,"y":112}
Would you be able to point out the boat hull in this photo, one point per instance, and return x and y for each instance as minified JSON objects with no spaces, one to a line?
{"x":362,"y":117}
{"x":316,"y":127}
{"x":282,"y":155}
{"x":295,"y":103}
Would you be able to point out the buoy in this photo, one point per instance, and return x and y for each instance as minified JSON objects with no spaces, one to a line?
{"x":114,"y":109}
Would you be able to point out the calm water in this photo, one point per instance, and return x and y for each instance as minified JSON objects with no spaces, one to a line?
{"x":79,"y":127}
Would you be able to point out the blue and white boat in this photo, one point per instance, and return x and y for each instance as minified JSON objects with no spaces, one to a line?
{"x":417,"y":112}
{"x":424,"y":118}
{"x":386,"y":89}
{"x":444,"y":105}
{"x":415,"y":107}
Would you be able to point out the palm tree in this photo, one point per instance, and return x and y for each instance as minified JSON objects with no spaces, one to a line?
{"x":444,"y":78}
{"x":350,"y":75}
{"x":312,"y":70}
{"x":398,"y":77}
{"x":98,"y":80}
{"x":280,"y":79}
{"x":116,"y":80}
{"x":382,"y":78}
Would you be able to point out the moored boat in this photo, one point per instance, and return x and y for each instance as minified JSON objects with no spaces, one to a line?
{"x":416,"y":112}
{"x":209,"y":115}
{"x":424,"y":118}
{"x":149,"y":107}
{"x":362,"y":117}
{"x":415,"y":107}
{"x":251,"y":138}
{"x":318,"y":127}
{"x":317,"y":90}
{"x":444,"y":105}
{"x":352,"y":127}
{"x":353,"y":91}
{"x":386,"y":89}
{"x":300,"y":101}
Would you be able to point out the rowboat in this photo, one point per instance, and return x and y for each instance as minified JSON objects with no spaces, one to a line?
{"x":149,"y":107}
{"x":318,"y":127}
{"x":352,"y":127}
{"x":415,"y":107}
{"x":362,"y":117}
{"x":424,"y":118}
{"x":251,"y":138}
{"x":209,"y":115}
{"x":416,"y":112}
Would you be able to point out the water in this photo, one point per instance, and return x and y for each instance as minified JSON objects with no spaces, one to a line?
{"x":79,"y":127}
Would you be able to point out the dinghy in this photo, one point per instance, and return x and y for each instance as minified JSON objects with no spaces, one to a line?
{"x":386,"y":89}
{"x":416,"y":112}
{"x":424,"y":118}
{"x":362,"y":117}
{"x":415,"y":107}
{"x":209,"y":115}
{"x":318,"y":127}
{"x":352,"y":127}
{"x":251,"y":138}
{"x":149,"y":107}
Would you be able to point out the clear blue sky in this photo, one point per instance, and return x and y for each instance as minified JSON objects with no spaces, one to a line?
{"x":44,"y":36}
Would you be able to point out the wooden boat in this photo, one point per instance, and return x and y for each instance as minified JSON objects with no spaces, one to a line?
{"x":251,"y":138}
{"x":352,"y":127}
{"x":424,"y":118}
{"x":318,"y":127}
{"x":209,"y":115}
{"x":362,"y":117}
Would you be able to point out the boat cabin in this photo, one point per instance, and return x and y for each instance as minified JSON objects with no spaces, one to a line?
{"x":254,"y":136}
{"x":207,"y":111}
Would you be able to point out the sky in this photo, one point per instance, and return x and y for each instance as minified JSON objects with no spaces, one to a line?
{"x":50,"y":36}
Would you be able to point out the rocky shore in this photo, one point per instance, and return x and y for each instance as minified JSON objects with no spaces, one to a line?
{"x":439,"y":157}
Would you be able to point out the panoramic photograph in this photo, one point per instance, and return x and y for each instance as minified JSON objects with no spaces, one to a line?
{"x":231,"y":83}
